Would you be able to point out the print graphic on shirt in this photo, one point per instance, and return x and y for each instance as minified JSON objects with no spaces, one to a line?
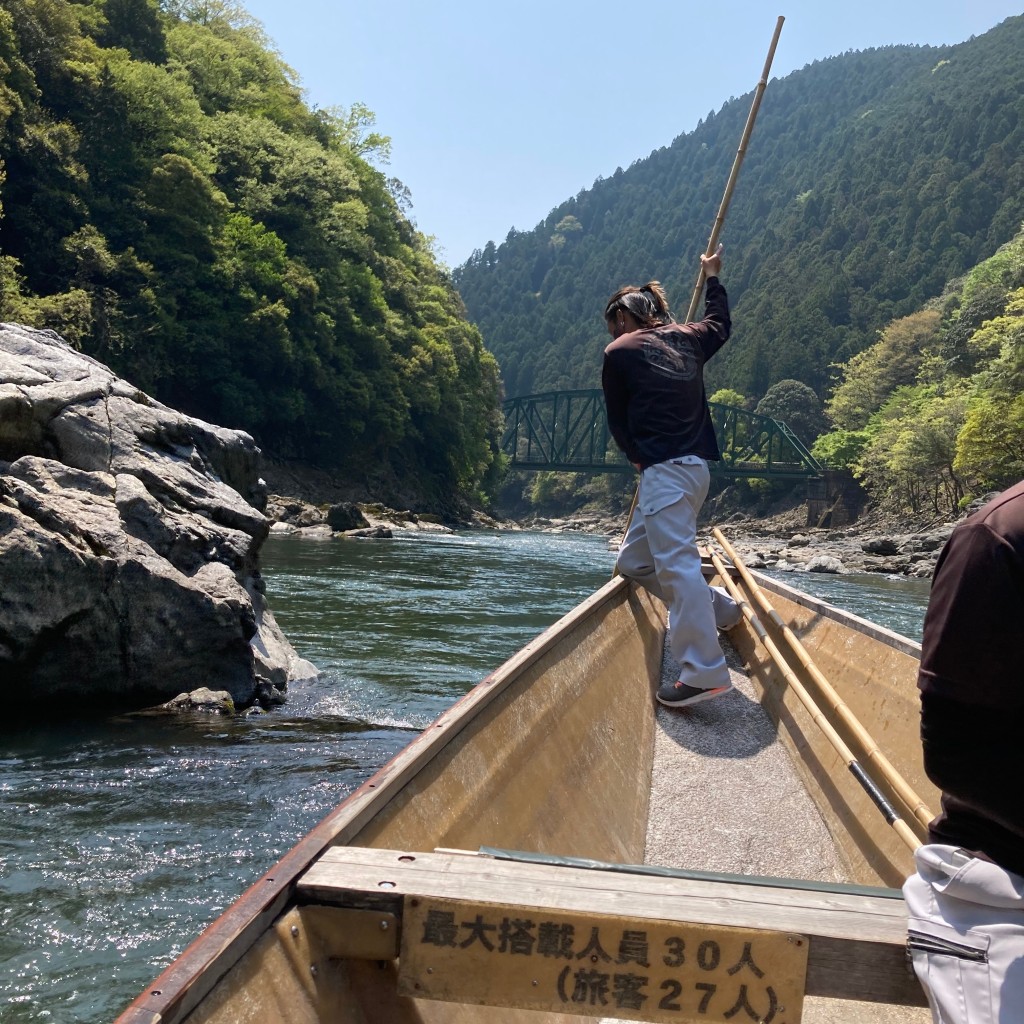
{"x":672,"y":355}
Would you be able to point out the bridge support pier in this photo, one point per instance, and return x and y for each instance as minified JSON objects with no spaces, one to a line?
{"x":834,"y":499}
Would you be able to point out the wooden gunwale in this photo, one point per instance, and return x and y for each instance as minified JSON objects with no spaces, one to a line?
{"x":885,"y":636}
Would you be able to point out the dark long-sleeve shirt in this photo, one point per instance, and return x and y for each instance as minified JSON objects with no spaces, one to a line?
{"x":972,"y":684}
{"x":653,"y":382}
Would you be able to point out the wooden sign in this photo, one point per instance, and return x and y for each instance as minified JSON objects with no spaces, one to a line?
{"x":599,"y":965}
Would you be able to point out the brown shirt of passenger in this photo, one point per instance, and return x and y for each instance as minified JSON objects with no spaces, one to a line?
{"x":972,"y":684}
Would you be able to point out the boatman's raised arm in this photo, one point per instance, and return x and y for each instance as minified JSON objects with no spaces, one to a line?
{"x":653,"y":379}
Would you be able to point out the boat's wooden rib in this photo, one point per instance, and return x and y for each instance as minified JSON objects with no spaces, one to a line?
{"x":857,"y":937}
{"x":552,"y":753}
{"x":353,"y":903}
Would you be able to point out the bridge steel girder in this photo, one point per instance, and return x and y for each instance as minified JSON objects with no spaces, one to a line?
{"x":567,"y":431}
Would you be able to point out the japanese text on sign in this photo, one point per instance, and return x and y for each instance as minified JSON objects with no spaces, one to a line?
{"x":600,"y":966}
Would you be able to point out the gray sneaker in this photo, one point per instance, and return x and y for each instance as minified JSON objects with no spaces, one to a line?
{"x":682,"y":695}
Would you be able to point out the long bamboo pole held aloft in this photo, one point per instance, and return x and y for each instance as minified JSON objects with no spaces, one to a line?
{"x":741,"y":152}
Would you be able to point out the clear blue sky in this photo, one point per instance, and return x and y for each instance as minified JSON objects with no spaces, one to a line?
{"x":498,"y":110}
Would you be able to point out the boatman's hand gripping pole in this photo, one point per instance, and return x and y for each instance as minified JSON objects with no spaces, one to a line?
{"x":723,"y":207}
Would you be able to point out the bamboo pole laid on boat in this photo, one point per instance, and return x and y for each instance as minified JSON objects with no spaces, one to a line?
{"x":871,"y":751}
{"x":892,"y":816}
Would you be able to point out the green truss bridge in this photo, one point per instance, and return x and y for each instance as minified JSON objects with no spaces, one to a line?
{"x":568,"y":431}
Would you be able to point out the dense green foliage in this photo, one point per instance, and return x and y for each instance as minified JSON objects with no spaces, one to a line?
{"x":871,"y":180}
{"x":797,"y":406}
{"x":932,"y":414}
{"x":173,"y":207}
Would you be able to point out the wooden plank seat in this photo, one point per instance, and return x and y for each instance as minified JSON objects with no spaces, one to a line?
{"x":854,"y":936}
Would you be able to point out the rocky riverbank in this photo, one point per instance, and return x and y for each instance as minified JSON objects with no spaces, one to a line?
{"x":877,"y":543}
{"x":363,"y":520}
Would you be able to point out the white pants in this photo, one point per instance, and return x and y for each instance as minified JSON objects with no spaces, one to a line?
{"x":966,"y":936}
{"x":660,"y":552}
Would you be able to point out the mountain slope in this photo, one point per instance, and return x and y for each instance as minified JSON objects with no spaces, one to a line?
{"x":872,"y":178}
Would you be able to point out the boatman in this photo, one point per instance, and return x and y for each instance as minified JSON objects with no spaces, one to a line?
{"x":966,"y":900}
{"x":653,"y":380}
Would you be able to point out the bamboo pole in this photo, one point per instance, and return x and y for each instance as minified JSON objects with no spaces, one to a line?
{"x":892,"y":816}
{"x":871,"y":751}
{"x":741,"y":152}
{"x":723,"y":207}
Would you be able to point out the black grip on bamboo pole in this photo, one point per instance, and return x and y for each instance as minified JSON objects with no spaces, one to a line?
{"x":877,"y":796}
{"x":741,"y":152}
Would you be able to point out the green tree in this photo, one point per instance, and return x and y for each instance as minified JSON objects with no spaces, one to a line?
{"x":990,"y":445}
{"x":909,"y":459}
{"x":350,"y":128}
{"x":869,"y":377}
{"x":841,"y":449}
{"x":135,"y":25}
{"x":729,"y":396}
{"x":796,"y":405}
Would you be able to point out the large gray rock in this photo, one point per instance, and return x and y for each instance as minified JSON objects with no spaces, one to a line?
{"x":129,"y":543}
{"x":824,"y":563}
{"x":880,"y":546}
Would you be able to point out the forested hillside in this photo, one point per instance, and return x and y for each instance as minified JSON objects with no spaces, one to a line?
{"x":932,"y":413}
{"x":172,"y":206}
{"x":872,"y":179}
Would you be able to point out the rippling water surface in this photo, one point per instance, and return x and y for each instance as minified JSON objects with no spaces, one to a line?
{"x":896,"y":602}
{"x":121,"y":839}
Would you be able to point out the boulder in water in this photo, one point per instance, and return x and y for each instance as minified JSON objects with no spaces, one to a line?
{"x":129,"y":543}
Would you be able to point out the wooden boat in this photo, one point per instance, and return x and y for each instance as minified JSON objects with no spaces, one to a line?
{"x":404,"y":904}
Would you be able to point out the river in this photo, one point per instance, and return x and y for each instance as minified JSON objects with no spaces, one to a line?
{"x":121,"y":838}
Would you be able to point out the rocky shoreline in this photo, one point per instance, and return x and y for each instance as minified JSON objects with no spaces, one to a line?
{"x":855,"y":550}
{"x":876,"y":543}
{"x":362,"y":520}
